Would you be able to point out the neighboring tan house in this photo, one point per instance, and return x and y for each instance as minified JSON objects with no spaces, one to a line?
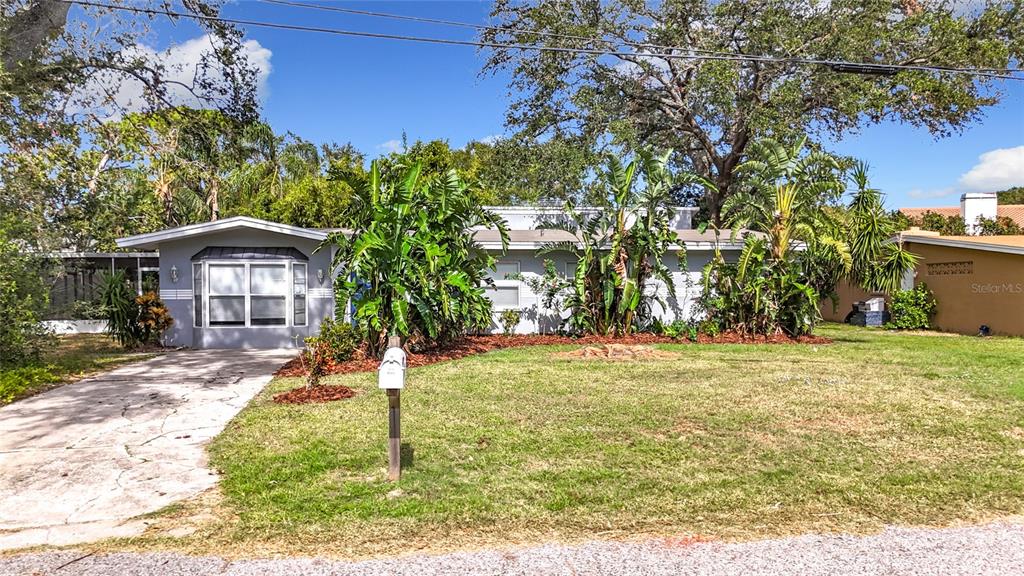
{"x":247,"y":283}
{"x":977,"y":280}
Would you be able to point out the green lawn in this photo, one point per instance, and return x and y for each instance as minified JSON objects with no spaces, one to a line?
{"x":74,"y":357}
{"x":723,"y":441}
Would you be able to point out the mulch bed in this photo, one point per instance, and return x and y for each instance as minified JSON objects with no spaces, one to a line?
{"x":471,"y":345}
{"x":321,"y":393}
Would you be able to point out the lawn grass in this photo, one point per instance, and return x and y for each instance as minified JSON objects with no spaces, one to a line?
{"x":722,"y":441}
{"x":74,"y":356}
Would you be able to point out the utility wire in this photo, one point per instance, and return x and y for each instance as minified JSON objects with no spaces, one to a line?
{"x":635,"y":45}
{"x":883,"y":68}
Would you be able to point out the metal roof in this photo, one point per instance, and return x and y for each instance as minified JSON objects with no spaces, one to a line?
{"x":249,"y":253}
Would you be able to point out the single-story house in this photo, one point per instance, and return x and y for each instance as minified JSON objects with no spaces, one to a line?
{"x":977,"y":280}
{"x":241,"y":282}
{"x":248,"y":283}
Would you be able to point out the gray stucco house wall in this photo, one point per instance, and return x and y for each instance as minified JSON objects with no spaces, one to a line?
{"x":259,"y":284}
{"x":256,"y":284}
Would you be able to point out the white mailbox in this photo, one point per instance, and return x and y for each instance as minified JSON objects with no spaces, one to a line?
{"x":391,"y":373}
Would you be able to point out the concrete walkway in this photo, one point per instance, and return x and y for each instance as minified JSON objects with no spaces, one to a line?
{"x":993,"y":550}
{"x":77,"y":462}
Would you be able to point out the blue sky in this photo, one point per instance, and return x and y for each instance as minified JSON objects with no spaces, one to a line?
{"x":367,"y":91}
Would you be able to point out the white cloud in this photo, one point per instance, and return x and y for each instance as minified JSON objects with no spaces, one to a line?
{"x":390,"y":146}
{"x":490,"y":140}
{"x":112,"y":93}
{"x":921,"y":194}
{"x":996,"y":170}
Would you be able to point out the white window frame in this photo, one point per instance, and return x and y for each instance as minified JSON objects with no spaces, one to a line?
{"x":305,"y":293}
{"x":289,"y":318}
{"x":504,"y":283}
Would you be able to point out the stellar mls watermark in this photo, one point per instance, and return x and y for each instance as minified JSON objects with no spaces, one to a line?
{"x":993,"y":288}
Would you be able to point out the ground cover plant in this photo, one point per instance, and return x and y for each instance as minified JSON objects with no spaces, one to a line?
{"x":723,"y":441}
{"x":69,"y":358}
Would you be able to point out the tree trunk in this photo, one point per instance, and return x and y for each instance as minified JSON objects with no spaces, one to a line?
{"x":41,"y":21}
{"x":214,"y":201}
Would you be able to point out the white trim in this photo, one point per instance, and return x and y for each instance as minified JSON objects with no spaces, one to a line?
{"x":142,"y":240}
{"x":176,"y":295}
{"x":964,"y":244}
{"x":319,"y":293}
{"x":690,"y":246}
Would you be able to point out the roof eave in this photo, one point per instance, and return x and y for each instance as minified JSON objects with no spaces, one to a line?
{"x":153,"y":239}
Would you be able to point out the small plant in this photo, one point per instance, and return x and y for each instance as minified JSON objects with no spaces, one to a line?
{"x":121,"y":310}
{"x":314,"y":359}
{"x":153,"y":317}
{"x":341,"y":340}
{"x":132,"y":320}
{"x":509,"y":320}
{"x":912,"y":309}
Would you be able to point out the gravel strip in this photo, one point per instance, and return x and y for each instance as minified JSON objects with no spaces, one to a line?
{"x":991,"y":549}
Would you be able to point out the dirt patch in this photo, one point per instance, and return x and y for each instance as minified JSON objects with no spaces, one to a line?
{"x":321,"y":393}
{"x":616,"y":352}
{"x":472,"y":345}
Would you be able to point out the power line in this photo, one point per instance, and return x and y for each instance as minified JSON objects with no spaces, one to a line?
{"x":849,"y":66}
{"x":527,"y":47}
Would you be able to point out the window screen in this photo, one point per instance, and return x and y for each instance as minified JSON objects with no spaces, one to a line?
{"x":197,"y":293}
{"x":299,"y":293}
{"x":504,"y":270}
{"x":268,"y":286}
{"x":503,"y":296}
{"x":227,"y":295}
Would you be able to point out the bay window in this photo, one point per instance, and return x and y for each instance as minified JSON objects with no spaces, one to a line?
{"x":249,"y":294}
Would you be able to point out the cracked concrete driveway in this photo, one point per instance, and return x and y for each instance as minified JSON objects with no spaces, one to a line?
{"x":77,"y":463}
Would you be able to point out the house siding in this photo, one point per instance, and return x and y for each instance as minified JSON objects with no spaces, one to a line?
{"x":537,"y":319}
{"x":178,"y":296}
{"x":990,"y":291}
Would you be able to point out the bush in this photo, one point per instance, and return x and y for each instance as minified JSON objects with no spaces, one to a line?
{"x":341,"y":340}
{"x":154,"y":318}
{"x":912,"y":309}
{"x":23,"y":301}
{"x":315,"y":358}
{"x":678,"y":329}
{"x":132,"y":320}
{"x":15,"y":382}
{"x":509,"y":320}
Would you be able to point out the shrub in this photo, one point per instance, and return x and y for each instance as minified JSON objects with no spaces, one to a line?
{"x":912,"y":309}
{"x":315,"y":358}
{"x":16,"y":381}
{"x":339,"y":337}
{"x":153,"y":317}
{"x":677,"y":329}
{"x":509,"y":320}
{"x":23,"y":300}
{"x":132,"y":320}
{"x":412,"y":268}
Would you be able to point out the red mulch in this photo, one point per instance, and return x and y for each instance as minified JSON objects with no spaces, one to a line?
{"x":471,"y":345}
{"x":322,"y":393}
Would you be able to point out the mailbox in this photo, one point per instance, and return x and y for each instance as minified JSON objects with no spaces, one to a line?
{"x":391,"y":373}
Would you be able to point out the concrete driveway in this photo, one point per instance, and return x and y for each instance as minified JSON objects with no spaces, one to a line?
{"x":77,"y":463}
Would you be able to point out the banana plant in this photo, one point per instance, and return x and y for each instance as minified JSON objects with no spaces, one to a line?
{"x":410,"y":265}
{"x":619,"y":248}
